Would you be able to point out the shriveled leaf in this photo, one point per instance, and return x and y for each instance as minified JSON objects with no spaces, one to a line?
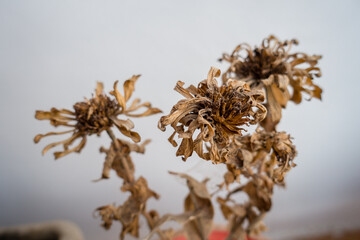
{"x":198,"y":199}
{"x":128,"y":213}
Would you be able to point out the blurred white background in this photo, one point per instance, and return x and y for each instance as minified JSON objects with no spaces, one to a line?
{"x":53,"y":52}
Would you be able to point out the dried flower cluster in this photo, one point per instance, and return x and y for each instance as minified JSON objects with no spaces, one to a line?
{"x":221,"y":112}
{"x":210,"y":121}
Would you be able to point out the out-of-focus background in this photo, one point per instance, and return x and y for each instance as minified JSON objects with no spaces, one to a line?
{"x":53,"y":52}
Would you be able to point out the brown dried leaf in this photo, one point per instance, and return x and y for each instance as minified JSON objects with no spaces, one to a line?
{"x":128,"y":213}
{"x":198,"y":199}
{"x":258,"y":196}
{"x":118,"y":158}
{"x":182,"y":218}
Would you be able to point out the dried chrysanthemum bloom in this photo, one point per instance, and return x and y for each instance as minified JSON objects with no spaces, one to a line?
{"x":94,"y":116}
{"x":263,"y":153}
{"x":272,"y":67}
{"x":217,"y":112}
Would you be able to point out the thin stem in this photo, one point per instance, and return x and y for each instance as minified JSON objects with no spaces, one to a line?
{"x":152,"y":224}
{"x":129,"y":177}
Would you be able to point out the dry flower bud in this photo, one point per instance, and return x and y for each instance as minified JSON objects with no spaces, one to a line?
{"x":270,"y":153}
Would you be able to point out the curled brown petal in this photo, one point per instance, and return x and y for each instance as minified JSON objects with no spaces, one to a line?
{"x":38,"y":137}
{"x":77,"y":149}
{"x":129,"y":86}
{"x":99,"y":88}
{"x":120,"y":98}
{"x":64,"y":142}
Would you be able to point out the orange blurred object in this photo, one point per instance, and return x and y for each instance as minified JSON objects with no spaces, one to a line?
{"x":215,"y":235}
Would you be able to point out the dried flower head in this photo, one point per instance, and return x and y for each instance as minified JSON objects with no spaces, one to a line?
{"x":217,"y":112}
{"x":94,"y":116}
{"x":268,"y":153}
{"x":272,"y":67}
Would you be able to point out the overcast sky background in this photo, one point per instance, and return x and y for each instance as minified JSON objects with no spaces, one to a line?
{"x":53,"y":52}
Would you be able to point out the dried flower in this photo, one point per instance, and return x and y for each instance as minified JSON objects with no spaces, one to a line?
{"x":273,"y":68}
{"x":269,"y":153}
{"x":217,"y":112}
{"x":94,"y":116}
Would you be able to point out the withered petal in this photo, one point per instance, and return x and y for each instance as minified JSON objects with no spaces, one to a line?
{"x":38,"y":137}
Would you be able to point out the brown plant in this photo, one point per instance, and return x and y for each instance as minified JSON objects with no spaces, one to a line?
{"x":94,"y":116}
{"x":210,"y":121}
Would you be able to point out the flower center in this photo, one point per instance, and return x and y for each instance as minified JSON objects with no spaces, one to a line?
{"x":93,"y":116}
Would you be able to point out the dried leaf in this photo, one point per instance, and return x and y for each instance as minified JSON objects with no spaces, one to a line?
{"x":198,"y":199}
{"x":118,"y":158}
{"x":218,"y":112}
{"x":182,"y":218}
{"x":128,"y":213}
